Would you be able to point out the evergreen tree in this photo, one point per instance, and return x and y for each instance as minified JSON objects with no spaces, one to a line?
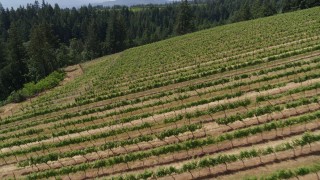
{"x":3,"y":93}
{"x":42,"y":52}
{"x":116,"y":34}
{"x":303,"y":4}
{"x":312,"y":3}
{"x":17,"y":57}
{"x":184,"y":22}
{"x":4,"y":23}
{"x":13,"y":70}
{"x":5,"y":74}
{"x":76,"y":48}
{"x":2,"y":56}
{"x":6,"y":86}
{"x":92,"y":45}
{"x":287,"y":5}
{"x":256,"y":9}
{"x":242,"y":14}
{"x":3,"y":89}
{"x":268,"y":8}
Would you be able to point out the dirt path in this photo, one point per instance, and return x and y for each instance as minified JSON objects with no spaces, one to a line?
{"x":72,"y":73}
{"x":7,"y":110}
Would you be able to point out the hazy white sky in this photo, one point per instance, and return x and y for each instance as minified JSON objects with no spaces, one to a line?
{"x":62,"y":3}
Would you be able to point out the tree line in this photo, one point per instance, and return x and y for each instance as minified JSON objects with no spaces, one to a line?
{"x":37,"y":39}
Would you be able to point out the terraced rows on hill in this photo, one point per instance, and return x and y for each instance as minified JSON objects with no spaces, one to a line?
{"x":222,"y":103}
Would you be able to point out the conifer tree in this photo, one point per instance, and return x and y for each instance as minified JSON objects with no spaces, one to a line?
{"x":17,"y":57}
{"x":116,"y":34}
{"x":184,"y":22}
{"x":41,"y":50}
{"x":2,"y":55}
{"x":92,"y":46}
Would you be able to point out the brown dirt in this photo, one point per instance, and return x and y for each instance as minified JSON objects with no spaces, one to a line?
{"x":226,"y":148}
{"x":265,"y":159}
{"x":72,"y":73}
{"x":211,"y":129}
{"x":270,"y":168}
{"x":240,"y":166}
{"x":8,"y":110}
{"x":195,"y":152}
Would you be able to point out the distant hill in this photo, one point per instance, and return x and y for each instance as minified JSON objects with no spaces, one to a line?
{"x":132,"y":2}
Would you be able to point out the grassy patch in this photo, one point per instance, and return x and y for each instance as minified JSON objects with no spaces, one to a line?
{"x":31,"y":89}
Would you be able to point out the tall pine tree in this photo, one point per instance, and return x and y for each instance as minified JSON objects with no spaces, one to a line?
{"x":92,"y":44}
{"x":116,"y":33}
{"x":42,"y":47}
{"x":17,"y":57}
{"x":184,"y":23}
{"x":2,"y":55}
{"x":3,"y":89}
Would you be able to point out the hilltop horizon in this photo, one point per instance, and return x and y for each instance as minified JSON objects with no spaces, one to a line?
{"x":77,"y":3}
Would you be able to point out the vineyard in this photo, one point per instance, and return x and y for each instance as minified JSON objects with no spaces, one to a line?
{"x":239,"y":101}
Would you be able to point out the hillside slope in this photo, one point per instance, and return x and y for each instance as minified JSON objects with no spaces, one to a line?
{"x":224,"y":102}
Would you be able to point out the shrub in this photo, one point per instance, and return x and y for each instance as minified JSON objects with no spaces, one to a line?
{"x":16,"y":97}
{"x":30,"y":89}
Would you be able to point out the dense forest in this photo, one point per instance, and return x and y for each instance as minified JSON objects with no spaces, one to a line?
{"x":38,"y":39}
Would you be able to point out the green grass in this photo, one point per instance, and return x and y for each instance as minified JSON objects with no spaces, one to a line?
{"x":31,"y":89}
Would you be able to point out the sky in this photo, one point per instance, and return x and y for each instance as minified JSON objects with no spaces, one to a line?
{"x":62,"y":3}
